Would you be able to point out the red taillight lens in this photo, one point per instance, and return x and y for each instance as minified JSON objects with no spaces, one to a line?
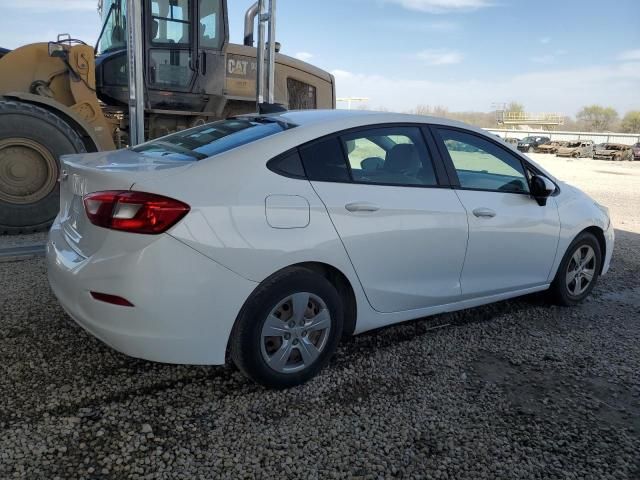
{"x":135,"y":212}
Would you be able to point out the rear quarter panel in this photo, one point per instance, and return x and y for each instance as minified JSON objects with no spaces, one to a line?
{"x":228,"y":222}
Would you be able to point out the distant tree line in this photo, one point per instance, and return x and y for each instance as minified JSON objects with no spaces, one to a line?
{"x":591,"y":118}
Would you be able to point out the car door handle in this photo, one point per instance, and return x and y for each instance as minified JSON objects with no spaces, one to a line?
{"x":361,"y":207}
{"x":484,"y":213}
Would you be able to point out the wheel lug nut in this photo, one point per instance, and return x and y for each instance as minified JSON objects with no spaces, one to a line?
{"x":292,"y":324}
{"x":287,"y":336}
{"x":295,"y":342}
{"x":304,"y":334}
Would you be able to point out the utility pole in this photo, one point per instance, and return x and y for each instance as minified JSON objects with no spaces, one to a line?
{"x":135,"y":68}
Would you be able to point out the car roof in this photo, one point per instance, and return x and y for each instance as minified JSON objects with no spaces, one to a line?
{"x":345,"y":118}
{"x":318,"y":123}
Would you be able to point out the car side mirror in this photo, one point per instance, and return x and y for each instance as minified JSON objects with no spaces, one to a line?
{"x":541,"y":189}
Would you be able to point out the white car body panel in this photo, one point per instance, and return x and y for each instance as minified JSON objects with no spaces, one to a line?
{"x":178,"y":314}
{"x":247,"y":222}
{"x":513,"y":249}
{"x":409,"y":252}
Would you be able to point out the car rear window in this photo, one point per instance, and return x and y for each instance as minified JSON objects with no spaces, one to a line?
{"x":211,"y":139}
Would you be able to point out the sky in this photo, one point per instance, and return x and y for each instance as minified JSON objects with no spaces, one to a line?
{"x":466,"y":55}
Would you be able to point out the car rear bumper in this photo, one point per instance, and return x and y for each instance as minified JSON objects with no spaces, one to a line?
{"x":185,"y":304}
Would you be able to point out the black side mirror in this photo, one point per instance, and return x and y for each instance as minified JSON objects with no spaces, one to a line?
{"x":541,"y":189}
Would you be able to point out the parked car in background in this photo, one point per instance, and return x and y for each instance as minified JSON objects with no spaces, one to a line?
{"x":613,"y":151}
{"x":551,"y":147}
{"x":636,"y":151}
{"x":529,"y":144}
{"x":266,"y":238}
{"x":512,"y":141}
{"x":578,"y":149}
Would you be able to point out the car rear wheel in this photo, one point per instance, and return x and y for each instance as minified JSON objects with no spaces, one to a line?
{"x":578,"y":272}
{"x":288,"y":330}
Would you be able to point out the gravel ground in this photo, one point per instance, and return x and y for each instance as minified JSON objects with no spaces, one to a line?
{"x":513,"y":390}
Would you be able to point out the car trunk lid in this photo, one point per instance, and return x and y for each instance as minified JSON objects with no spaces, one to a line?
{"x":94,"y":172}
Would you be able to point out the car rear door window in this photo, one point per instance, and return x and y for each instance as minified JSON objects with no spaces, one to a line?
{"x":389,"y":156}
{"x":324,"y":161}
{"x":482,"y":165}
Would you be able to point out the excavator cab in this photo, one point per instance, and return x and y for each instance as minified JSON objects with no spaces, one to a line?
{"x":184,"y":54}
{"x":65,"y":97}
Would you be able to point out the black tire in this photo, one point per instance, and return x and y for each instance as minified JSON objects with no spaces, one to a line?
{"x":559,"y":291}
{"x":246,"y":340}
{"x":47,"y":131}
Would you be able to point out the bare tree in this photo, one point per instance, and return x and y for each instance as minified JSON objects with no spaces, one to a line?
{"x":515,"y":107}
{"x":597,"y":117}
{"x":631,"y":122}
{"x":437,"y":111}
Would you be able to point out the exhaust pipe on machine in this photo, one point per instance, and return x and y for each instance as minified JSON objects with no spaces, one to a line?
{"x":249,"y":22}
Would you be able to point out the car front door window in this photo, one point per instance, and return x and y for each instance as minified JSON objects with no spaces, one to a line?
{"x":482,"y":165}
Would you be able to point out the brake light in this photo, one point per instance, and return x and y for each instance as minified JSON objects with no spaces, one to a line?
{"x":135,"y":212}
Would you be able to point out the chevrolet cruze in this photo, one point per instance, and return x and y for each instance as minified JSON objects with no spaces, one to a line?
{"x":265,"y":239}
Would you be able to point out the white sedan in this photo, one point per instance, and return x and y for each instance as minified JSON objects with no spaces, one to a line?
{"x":265,"y":239}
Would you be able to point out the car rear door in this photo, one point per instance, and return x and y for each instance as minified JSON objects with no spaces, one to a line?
{"x":403,"y":227}
{"x":512,"y":239}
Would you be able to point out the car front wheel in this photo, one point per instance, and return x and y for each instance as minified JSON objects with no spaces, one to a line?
{"x":289,"y":329}
{"x":578,"y":271}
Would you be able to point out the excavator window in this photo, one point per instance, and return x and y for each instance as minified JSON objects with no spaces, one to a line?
{"x":211,"y":33}
{"x":171,"y":22}
{"x":170,"y":55}
{"x":114,"y":37}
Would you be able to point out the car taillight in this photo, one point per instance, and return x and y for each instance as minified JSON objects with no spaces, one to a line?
{"x":135,"y":212}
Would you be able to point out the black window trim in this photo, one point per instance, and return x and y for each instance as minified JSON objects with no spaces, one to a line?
{"x":271,"y":165}
{"x":451,"y":167}
{"x":438,"y":165}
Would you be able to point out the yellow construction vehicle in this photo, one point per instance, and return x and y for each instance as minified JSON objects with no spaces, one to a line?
{"x":66,"y":97}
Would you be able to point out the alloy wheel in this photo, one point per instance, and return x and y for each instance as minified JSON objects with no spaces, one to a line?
{"x":581,"y":270}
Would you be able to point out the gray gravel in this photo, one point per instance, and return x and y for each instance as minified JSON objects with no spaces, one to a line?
{"x":513,"y":390}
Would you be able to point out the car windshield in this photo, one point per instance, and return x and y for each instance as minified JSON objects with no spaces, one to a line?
{"x":573,"y":144}
{"x":528,"y":139}
{"x":211,"y":139}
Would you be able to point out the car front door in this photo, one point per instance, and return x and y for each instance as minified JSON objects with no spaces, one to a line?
{"x":403,"y":228}
{"x":512,"y":239}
